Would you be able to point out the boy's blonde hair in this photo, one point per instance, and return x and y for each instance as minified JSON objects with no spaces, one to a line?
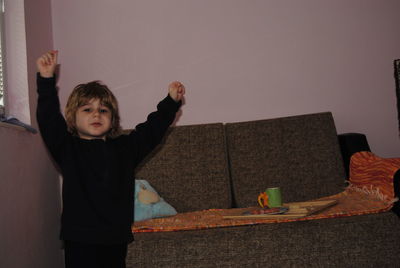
{"x":82,"y":94}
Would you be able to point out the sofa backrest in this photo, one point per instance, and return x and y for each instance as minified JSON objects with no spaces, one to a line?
{"x":190,"y":168}
{"x":300,"y":154}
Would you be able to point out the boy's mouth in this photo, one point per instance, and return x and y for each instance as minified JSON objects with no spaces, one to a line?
{"x":96,"y":124}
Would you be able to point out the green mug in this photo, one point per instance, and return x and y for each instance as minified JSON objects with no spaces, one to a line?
{"x":272,"y":198}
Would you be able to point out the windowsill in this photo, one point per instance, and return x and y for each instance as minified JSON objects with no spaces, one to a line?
{"x":7,"y":125}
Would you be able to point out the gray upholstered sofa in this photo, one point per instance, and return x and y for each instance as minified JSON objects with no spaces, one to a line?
{"x":226,"y":165}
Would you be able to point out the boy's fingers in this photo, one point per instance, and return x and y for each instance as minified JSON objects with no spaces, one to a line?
{"x":177,"y":88}
{"x":177,"y":83}
{"x":48,"y":59}
{"x":55,"y":56}
{"x":182,"y":90}
{"x":43,"y":60}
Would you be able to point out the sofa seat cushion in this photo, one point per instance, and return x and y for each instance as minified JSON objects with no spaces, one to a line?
{"x":360,"y":241}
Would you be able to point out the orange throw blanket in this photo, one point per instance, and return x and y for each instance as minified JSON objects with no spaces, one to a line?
{"x":370,"y":190}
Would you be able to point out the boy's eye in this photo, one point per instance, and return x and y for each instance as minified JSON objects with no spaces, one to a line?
{"x":87,"y":110}
{"x":103,"y":110}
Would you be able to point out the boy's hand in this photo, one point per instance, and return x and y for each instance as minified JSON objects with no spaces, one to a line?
{"x":47,"y":63}
{"x":176,"y":90}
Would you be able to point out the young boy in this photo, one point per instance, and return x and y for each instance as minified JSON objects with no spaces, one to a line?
{"x":97,"y":164}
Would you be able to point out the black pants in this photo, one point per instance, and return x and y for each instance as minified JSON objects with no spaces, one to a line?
{"x":81,"y":255}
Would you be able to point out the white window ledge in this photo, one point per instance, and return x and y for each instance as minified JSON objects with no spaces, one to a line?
{"x":7,"y":125}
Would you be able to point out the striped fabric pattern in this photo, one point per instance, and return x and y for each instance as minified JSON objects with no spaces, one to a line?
{"x":373,"y":174}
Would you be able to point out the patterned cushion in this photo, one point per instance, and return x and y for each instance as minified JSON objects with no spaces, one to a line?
{"x":372,"y":174}
{"x":148,"y":204}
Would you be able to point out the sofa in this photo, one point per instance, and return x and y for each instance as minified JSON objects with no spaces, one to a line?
{"x":225,"y":166}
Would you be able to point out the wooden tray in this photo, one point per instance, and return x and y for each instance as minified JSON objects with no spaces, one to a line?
{"x":296,"y":210}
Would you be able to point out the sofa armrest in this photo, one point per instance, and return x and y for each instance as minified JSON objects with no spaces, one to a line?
{"x":351,"y":143}
{"x":396,"y":183}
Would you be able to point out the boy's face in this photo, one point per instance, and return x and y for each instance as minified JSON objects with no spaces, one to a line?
{"x":93,"y":120}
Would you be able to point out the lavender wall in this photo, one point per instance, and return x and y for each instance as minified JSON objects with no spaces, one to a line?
{"x":29,"y":184}
{"x":30,"y":203}
{"x":240,"y":60}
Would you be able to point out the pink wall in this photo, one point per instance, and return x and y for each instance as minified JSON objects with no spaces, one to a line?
{"x":30,"y":203}
{"x":29,"y":184}
{"x":240,"y":60}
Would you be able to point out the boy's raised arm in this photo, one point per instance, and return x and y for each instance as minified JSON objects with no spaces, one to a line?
{"x":52,"y":125}
{"x":150,"y":133}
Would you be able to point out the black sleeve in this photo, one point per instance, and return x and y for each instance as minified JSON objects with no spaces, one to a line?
{"x":52,"y":125}
{"x":146,"y":136}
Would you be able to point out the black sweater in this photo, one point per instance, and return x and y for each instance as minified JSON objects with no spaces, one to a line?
{"x":98,"y":175}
